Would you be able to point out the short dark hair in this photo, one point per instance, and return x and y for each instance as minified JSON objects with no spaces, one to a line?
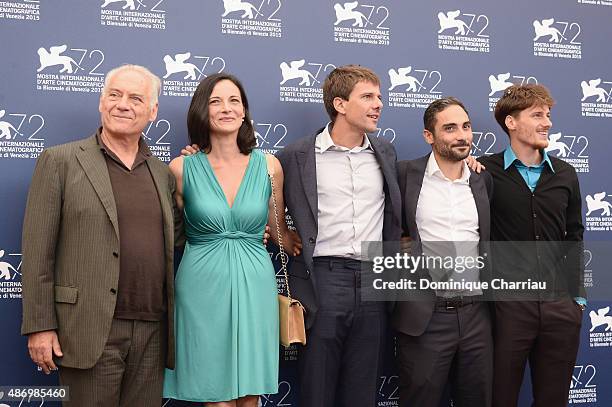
{"x":198,"y":121}
{"x":340,"y":83}
{"x":517,"y":98}
{"x":435,"y":107}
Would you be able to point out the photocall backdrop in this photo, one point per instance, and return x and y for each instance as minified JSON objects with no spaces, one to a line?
{"x":54,"y":55}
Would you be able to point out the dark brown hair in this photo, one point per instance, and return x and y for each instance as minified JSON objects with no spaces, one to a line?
{"x":435,"y":107}
{"x":517,"y":98}
{"x":340,"y":83}
{"x":198,"y":121}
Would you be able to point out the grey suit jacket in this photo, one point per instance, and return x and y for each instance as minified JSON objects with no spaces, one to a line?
{"x":300,"y":191}
{"x":412,"y":317}
{"x":71,"y":253}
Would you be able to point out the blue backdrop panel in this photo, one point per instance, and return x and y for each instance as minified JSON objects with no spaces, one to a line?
{"x":54,"y":55}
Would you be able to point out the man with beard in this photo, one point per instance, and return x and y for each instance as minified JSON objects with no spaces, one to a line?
{"x":536,"y":210}
{"x":445,"y":334}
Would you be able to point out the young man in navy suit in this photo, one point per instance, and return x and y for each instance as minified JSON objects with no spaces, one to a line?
{"x":341,"y":190}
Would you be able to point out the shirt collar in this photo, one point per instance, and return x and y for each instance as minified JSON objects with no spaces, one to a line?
{"x":143,"y":154}
{"x":324,"y":142}
{"x":433,"y":169}
{"x":510,"y":158}
{"x":143,"y":148}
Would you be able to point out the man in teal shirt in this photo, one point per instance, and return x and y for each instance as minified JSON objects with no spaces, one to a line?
{"x":537,"y":203}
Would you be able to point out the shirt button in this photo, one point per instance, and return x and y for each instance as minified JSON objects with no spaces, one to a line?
{"x":535,"y":215}
{"x":113,"y":291}
{"x":311,"y":240}
{"x":115,"y":254}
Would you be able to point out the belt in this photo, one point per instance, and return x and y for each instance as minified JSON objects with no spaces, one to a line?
{"x":450,"y":303}
{"x":343,"y":262}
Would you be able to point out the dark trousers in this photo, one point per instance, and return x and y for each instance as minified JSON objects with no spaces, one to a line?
{"x":456,"y":347}
{"x":340,"y":364}
{"x":129,"y":373}
{"x":546,"y":333}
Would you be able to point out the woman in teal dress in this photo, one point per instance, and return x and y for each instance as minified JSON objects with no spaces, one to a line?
{"x":227,"y":345}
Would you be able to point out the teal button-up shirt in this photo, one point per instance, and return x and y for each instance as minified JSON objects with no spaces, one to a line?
{"x":531,"y":174}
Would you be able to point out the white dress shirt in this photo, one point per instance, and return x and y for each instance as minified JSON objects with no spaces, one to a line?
{"x":446,"y":212}
{"x":351,"y":198}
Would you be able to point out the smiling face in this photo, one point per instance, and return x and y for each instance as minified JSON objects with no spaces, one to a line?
{"x":451,"y":139}
{"x":225,"y":108}
{"x":362,"y":109}
{"x":125,"y":105}
{"x":529,"y":128}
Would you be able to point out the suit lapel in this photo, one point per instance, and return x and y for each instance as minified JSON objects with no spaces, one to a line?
{"x":414,"y":183}
{"x":94,"y":165}
{"x":308,"y":174}
{"x":381,"y":156}
{"x":481,"y":198}
{"x":160,"y":178}
{"x":385,"y":159}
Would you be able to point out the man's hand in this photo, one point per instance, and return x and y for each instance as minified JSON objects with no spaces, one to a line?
{"x":42,"y":346}
{"x":295,"y":243}
{"x":190,"y":150}
{"x":266,"y":235}
{"x":474,"y":164}
{"x":406,"y":244}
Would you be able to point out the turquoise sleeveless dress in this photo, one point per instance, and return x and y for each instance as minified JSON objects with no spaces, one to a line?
{"x":226,"y":313}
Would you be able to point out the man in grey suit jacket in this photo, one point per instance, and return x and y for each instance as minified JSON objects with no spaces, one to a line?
{"x":341,"y":189}
{"x":445,"y":334}
{"x":98,"y":243}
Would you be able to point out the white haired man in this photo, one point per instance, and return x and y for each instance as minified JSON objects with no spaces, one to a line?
{"x":98,"y":243}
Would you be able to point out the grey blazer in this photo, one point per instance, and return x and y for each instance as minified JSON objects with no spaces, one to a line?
{"x":300,"y":191}
{"x":70,"y":249}
{"x":412,"y":317}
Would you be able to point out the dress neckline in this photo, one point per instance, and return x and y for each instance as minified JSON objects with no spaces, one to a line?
{"x":218,"y":184}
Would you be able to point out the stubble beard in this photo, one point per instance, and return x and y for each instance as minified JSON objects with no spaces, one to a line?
{"x":449,"y":153}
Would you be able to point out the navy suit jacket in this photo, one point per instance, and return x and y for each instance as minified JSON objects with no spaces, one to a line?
{"x":300,"y":191}
{"x":412,"y":317}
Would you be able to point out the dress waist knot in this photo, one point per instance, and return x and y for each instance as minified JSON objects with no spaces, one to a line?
{"x":228,"y":234}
